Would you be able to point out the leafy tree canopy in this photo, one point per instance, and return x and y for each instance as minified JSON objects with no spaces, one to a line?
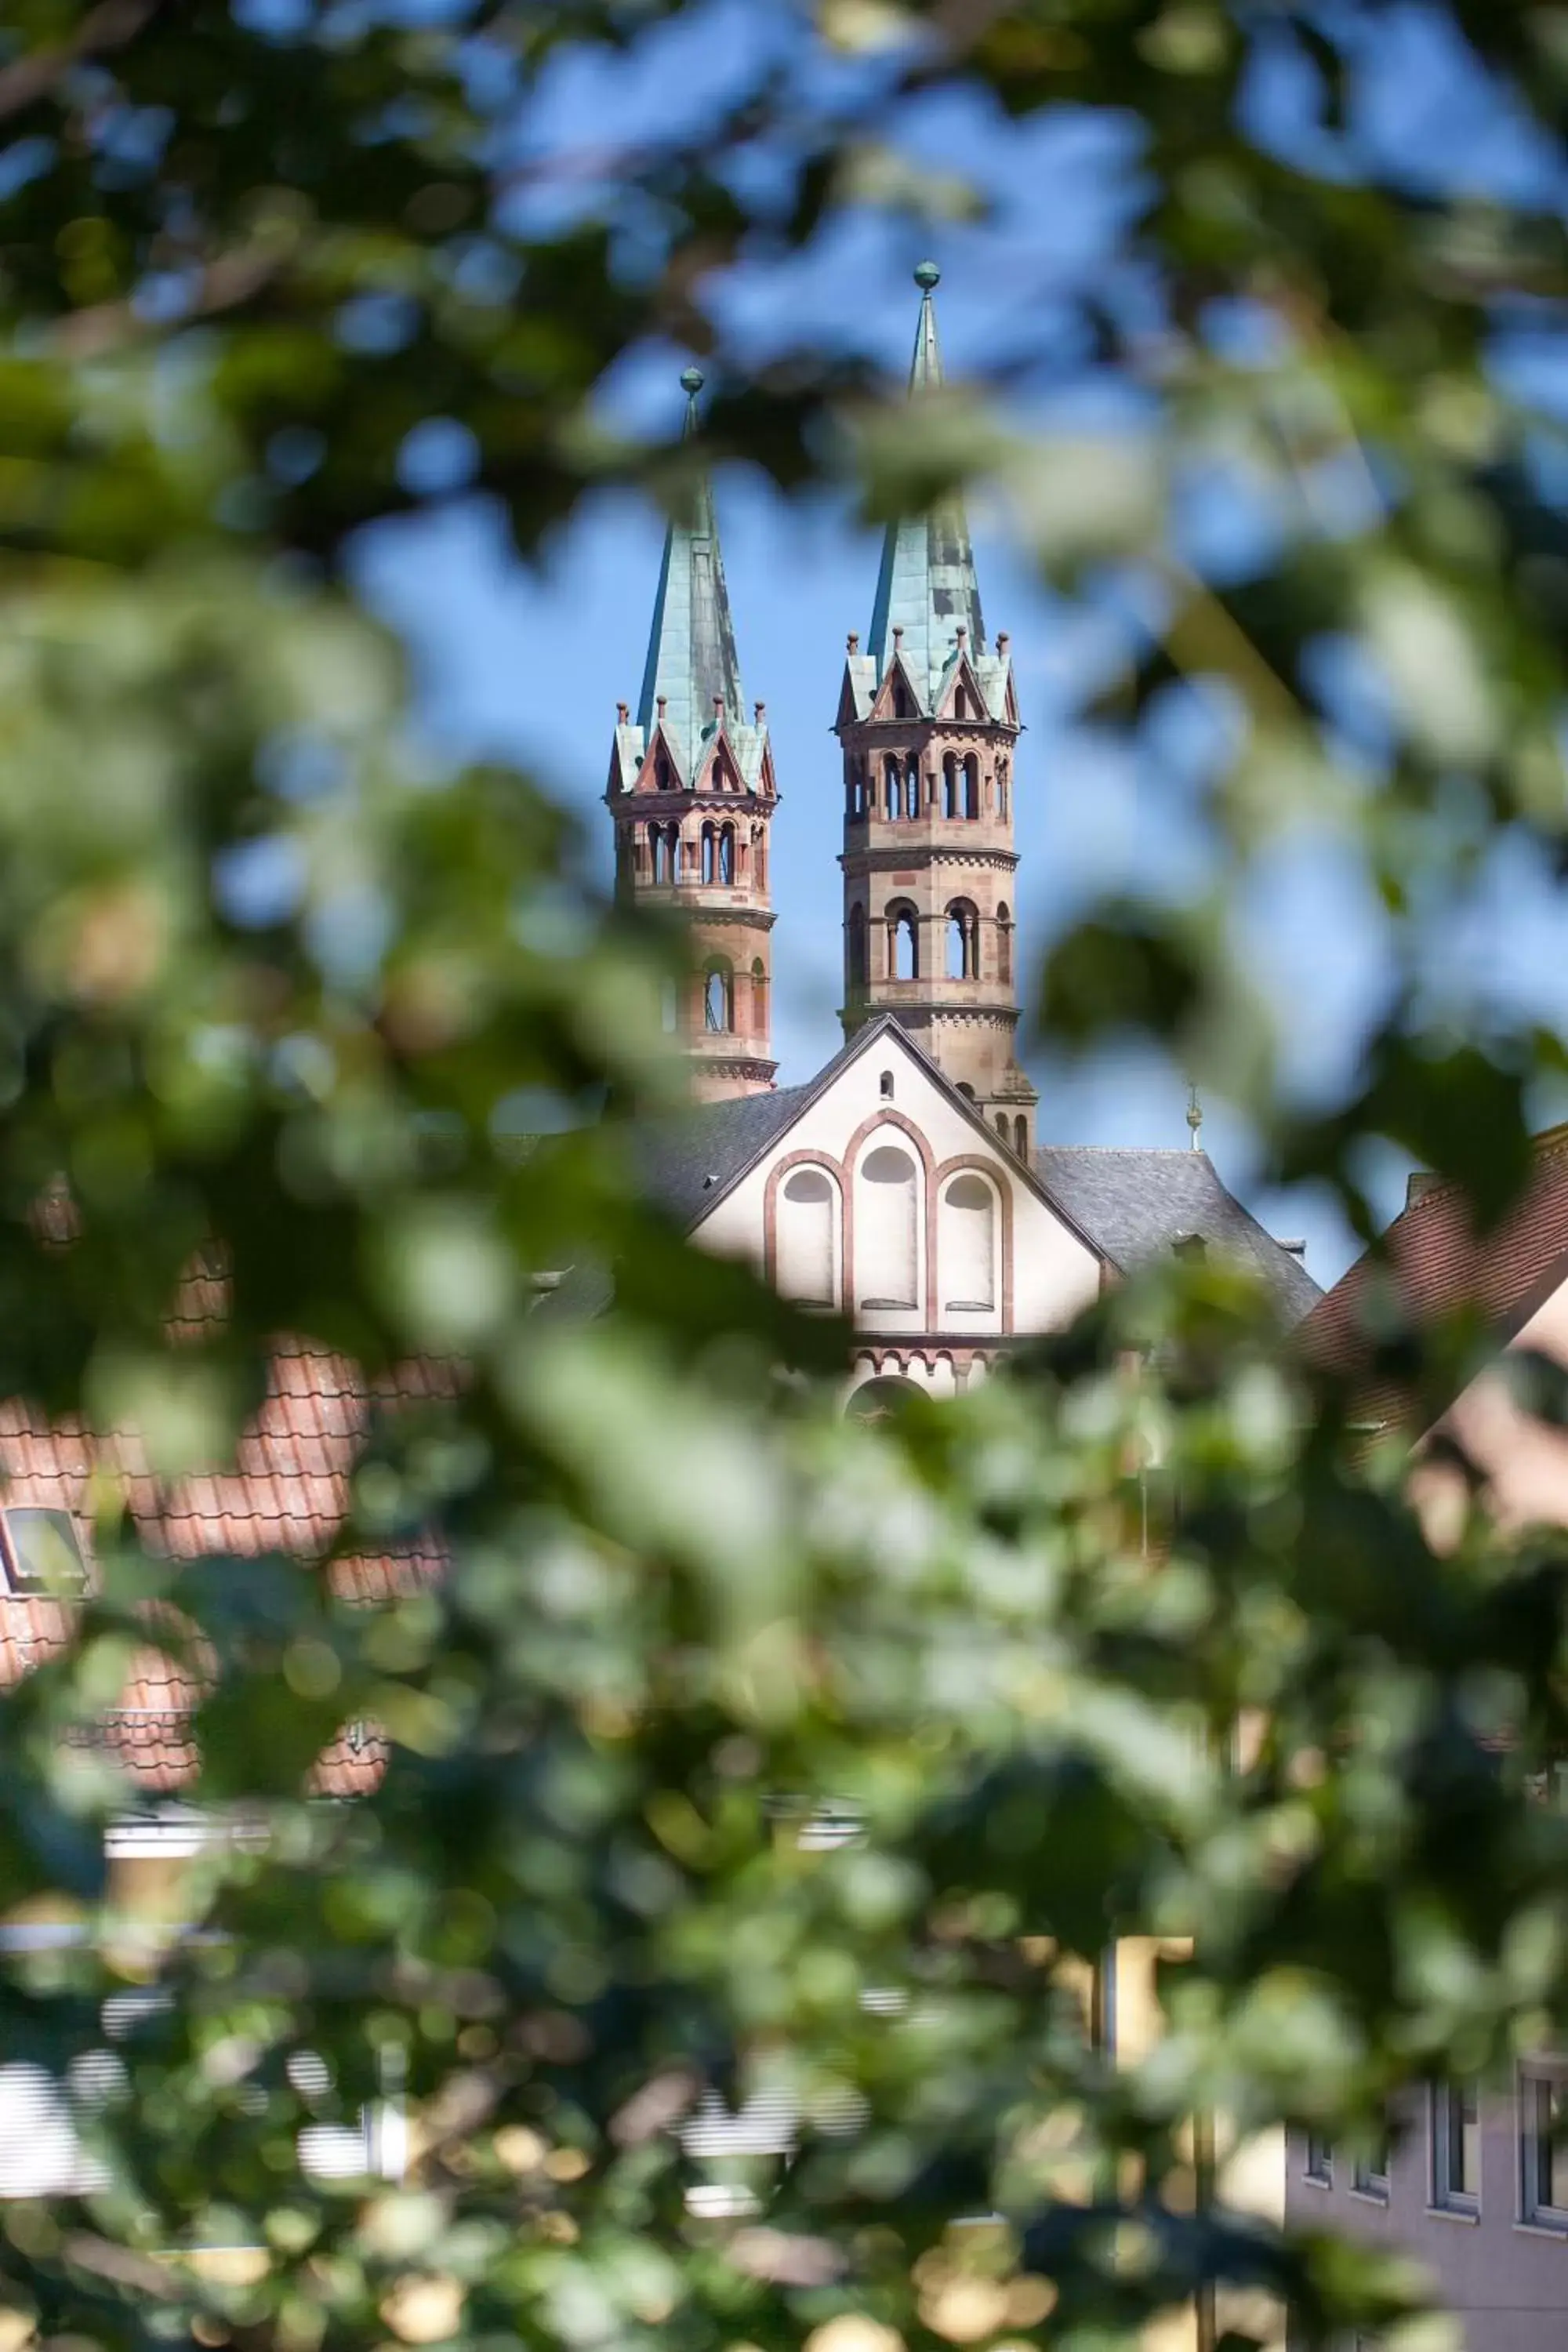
{"x":276,"y":1000}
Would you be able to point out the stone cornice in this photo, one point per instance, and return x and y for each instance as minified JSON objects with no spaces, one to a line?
{"x":755,"y":918}
{"x":916,"y":854}
{"x":632,"y":804}
{"x":920,"y":1012}
{"x":732,"y":1066}
{"x":920,"y":732}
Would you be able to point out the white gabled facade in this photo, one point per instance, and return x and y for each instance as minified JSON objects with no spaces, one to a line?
{"x":888,"y":1199}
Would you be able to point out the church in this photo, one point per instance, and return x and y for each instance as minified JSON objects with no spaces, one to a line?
{"x":906,"y":1186}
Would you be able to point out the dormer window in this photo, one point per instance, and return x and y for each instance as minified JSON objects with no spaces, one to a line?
{"x":900,"y":700}
{"x":42,"y":1550}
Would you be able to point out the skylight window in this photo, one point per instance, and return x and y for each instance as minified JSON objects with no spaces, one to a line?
{"x":42,"y":1550}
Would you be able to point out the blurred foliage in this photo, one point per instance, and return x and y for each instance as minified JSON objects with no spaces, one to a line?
{"x":743,"y":1751}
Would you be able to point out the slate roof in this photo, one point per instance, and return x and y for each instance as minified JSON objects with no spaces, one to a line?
{"x":689,"y":1160}
{"x":286,"y":1492}
{"x":1430,"y":1264}
{"x":1136,"y":1205}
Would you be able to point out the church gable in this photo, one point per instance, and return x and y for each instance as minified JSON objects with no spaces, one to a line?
{"x":961,"y":697}
{"x":883,"y":1197}
{"x":900,"y":695}
{"x":719,"y":773}
{"x":661,"y":770}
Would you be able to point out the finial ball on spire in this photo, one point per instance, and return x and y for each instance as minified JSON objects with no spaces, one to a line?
{"x":693,"y":381}
{"x":927,"y":275}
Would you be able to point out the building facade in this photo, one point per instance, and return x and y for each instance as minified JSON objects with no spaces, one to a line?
{"x":906,"y":1186}
{"x":1473,"y":2180}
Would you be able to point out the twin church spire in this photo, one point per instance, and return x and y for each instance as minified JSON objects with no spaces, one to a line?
{"x":927,"y":720}
{"x":691,"y":793}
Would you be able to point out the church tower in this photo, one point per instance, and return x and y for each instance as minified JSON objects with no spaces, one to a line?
{"x":927,"y":720}
{"x":691,"y":796}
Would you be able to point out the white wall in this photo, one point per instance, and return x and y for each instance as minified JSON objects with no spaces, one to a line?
{"x":1055,"y":1273}
{"x":1525,"y":1462}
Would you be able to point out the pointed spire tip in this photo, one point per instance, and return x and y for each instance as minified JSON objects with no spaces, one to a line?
{"x":693,"y":381}
{"x":927,"y":276}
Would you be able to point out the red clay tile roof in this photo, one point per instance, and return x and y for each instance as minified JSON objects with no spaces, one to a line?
{"x":286,"y":1493}
{"x":1430,"y":1264}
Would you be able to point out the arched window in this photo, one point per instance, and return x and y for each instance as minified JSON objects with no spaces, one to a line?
{"x":903,"y":942}
{"x":808,"y":1244}
{"x":1003,"y":943}
{"x":881,"y":1399}
{"x":900,"y":699}
{"x":967,"y":1090}
{"x":726,"y":854}
{"x":760,"y":855}
{"x":1001,"y":787}
{"x":950,"y":783}
{"x":672,"y":843}
{"x":1002,"y":1125}
{"x":851,"y":788}
{"x":710,"y":853}
{"x":718,"y":1000}
{"x":1021,"y":1136}
{"x":912,"y":786}
{"x":884,"y":1085}
{"x":656,"y":852}
{"x":894,"y":780}
{"x":857,"y":936}
{"x":960,"y":704}
{"x":962,"y":941}
{"x":970,"y":786}
{"x":759,"y":998}
{"x":663,"y":779}
{"x":887,"y":1228}
{"x":966,"y":1247}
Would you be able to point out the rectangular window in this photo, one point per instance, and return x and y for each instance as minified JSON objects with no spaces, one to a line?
{"x":1369,"y":2177}
{"x":1542,"y":2152}
{"x":42,"y":1550}
{"x":1456,"y":2147}
{"x":1320,"y":2164}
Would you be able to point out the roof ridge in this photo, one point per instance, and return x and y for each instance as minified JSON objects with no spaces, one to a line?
{"x":1550,"y":1143}
{"x":1137,"y":1151}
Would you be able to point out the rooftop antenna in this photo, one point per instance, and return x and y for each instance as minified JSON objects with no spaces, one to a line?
{"x":1195,"y":1113}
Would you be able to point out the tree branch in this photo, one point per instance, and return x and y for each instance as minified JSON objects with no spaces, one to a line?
{"x":110,"y":26}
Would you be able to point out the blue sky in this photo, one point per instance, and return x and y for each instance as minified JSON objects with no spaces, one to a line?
{"x":530,"y":663}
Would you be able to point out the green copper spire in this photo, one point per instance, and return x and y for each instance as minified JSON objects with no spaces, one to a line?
{"x":691,"y":653}
{"x":927,"y":586}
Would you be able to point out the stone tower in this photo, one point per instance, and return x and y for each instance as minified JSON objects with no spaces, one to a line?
{"x":927,"y":720}
{"x":691,"y":796}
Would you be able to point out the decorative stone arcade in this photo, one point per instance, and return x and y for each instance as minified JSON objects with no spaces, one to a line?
{"x":928,"y":721}
{"x":691,"y":794}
